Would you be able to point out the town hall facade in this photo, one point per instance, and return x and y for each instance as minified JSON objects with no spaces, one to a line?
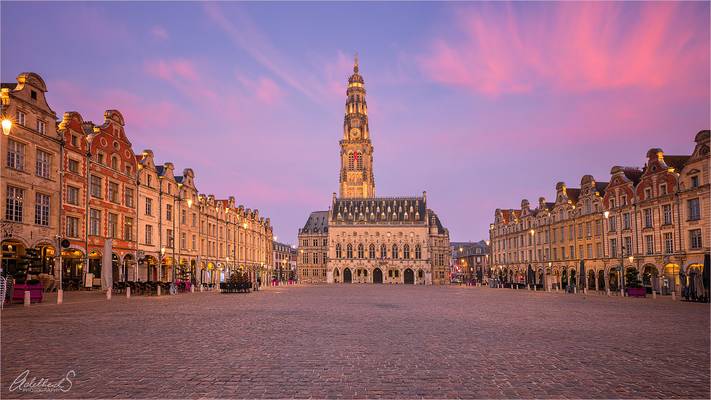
{"x":367,"y":239}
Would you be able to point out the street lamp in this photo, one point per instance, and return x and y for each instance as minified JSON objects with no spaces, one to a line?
{"x":6,"y":126}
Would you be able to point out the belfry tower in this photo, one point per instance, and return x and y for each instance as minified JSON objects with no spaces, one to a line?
{"x":356,"y":180}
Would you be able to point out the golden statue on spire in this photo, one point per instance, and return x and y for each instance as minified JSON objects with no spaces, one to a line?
{"x":355,"y":63}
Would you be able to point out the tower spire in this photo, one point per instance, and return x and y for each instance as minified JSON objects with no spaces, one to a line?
{"x":356,"y":178}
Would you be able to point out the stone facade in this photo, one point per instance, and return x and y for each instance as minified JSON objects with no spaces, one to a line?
{"x":470,"y":260}
{"x":653,"y":219}
{"x":368,"y":239}
{"x":30,"y":175}
{"x":153,"y":220}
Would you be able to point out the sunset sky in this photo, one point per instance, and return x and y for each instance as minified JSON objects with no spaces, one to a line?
{"x":479,"y":104}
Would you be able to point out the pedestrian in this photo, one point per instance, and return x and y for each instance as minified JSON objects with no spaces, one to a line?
{"x":259,"y":282}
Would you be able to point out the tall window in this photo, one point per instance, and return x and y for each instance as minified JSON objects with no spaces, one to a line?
{"x":628,"y":246}
{"x":613,"y":248}
{"x":128,"y":228}
{"x":114,"y":162}
{"x":183,"y":216}
{"x":169,"y":238}
{"x":371,"y":251}
{"x":612,"y":221}
{"x":113,"y":225}
{"x":128,"y":197}
{"x":350,"y":161}
{"x":361,"y":253}
{"x":349,"y":251}
{"x":694,"y":210}
{"x":15,"y":155}
{"x":406,"y":252}
{"x":73,"y":195}
{"x":647,"y":217}
{"x":94,"y":222}
{"x":695,"y":236}
{"x":359,"y":163}
{"x":194,"y":242}
{"x":113,"y":192}
{"x":21,"y":118}
{"x":396,"y":253}
{"x":149,"y":206}
{"x":168,"y":212}
{"x":13,"y":204}
{"x":95,"y":186}
{"x":649,"y":244}
{"x":626,"y":221}
{"x":338,"y":251}
{"x":667,"y":213}
{"x":383,"y":251}
{"x":668,"y":243}
{"x":149,"y":234}
{"x":183,"y":240}
{"x":73,"y":166}
{"x":72,"y":227}
{"x":41,"y":209}
{"x":42,"y":164}
{"x":41,"y":127}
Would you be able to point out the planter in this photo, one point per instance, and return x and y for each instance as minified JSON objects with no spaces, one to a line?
{"x":637,"y":292}
{"x":36,"y":290}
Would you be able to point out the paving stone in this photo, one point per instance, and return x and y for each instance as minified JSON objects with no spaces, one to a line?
{"x":361,"y":341}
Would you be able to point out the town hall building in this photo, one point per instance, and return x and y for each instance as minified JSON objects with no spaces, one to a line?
{"x":367,"y":239}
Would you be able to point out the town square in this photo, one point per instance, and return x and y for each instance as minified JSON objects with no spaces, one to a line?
{"x":364,"y":341}
{"x":236,"y":199}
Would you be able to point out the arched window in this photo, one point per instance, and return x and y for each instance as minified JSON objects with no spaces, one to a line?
{"x":359,"y":157}
{"x":350,"y":161}
{"x":360,"y":251}
{"x":114,"y":162}
{"x":395,"y":252}
{"x":418,"y":252}
{"x":383,"y":251}
{"x":338,"y":251}
{"x":406,"y":252}
{"x":349,"y":251}
{"x":371,"y":251}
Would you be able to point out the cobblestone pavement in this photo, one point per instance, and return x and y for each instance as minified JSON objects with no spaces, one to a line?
{"x":356,"y":341}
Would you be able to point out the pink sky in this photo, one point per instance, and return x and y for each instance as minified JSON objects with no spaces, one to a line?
{"x":480,"y":104}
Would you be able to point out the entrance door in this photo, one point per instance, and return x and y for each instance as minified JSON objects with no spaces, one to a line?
{"x":377,"y":276}
{"x":347,"y":278}
{"x":409,"y":277}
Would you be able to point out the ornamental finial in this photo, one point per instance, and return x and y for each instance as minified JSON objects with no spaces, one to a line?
{"x":355,"y":63}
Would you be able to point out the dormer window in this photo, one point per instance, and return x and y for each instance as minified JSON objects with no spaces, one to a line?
{"x":695,"y":181}
{"x":612,"y":203}
{"x":647,"y":193}
{"x":41,"y":127}
{"x":74,"y":141}
{"x":21,"y":118}
{"x":663,"y":189}
{"x":114,"y":162}
{"x":33,"y":94}
{"x":100,"y":158}
{"x":623,"y":200}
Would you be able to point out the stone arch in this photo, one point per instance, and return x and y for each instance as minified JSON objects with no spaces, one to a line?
{"x":650,"y":277}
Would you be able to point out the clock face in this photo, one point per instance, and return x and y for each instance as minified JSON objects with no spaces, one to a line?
{"x":355,"y":133}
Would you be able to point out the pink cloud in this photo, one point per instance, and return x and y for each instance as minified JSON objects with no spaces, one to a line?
{"x":173,"y":69}
{"x":569,"y":47}
{"x":159,"y":33}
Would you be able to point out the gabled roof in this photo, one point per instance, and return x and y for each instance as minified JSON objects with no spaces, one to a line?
{"x":379,"y":210}
{"x":317,"y":223}
{"x":601,"y":186}
{"x":676,"y":162}
{"x":573,"y":194}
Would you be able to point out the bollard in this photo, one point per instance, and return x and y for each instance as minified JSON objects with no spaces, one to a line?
{"x":60,"y":296}
{"x":27,"y":298}
{"x":654,"y":294}
{"x":108,"y":294}
{"x":608,"y":292}
{"x":622,"y":293}
{"x":575,"y":290}
{"x":535,"y":288}
{"x":158,"y":291}
{"x":192,"y":289}
{"x":128,"y":292}
{"x":556,"y":289}
{"x":585,"y":290}
{"x":673,"y":296}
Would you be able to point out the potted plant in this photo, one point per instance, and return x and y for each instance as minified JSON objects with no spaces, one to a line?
{"x":634,"y":284}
